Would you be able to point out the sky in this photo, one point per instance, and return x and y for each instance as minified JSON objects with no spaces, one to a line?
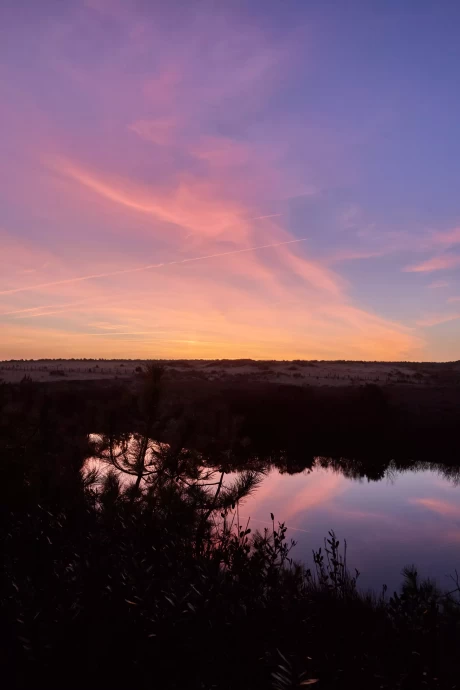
{"x":267,"y":179}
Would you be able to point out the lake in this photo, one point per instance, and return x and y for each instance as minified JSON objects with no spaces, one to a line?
{"x":391,"y":516}
{"x":409,"y":516}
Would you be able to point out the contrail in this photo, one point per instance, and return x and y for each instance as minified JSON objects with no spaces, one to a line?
{"x":41,"y":313}
{"x":95,"y":276}
{"x":272,"y":215}
{"x":45,"y":306}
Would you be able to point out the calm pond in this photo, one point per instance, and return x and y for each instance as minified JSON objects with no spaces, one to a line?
{"x":406,"y":517}
{"x":390,"y":517}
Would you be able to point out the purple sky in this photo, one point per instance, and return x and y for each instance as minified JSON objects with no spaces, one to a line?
{"x":151,"y":151}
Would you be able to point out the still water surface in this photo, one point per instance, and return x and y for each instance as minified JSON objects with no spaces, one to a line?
{"x":399,"y":518}
{"x":410,"y":516}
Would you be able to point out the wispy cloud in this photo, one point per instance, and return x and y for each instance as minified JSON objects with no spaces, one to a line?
{"x":437,"y":319}
{"x":355,"y":255}
{"x":160,"y":131}
{"x":438,"y":284}
{"x":33,"y":309}
{"x":448,"y":238}
{"x":437,"y":263}
{"x":34,"y":315}
{"x":182,"y":207}
{"x":104,"y":325}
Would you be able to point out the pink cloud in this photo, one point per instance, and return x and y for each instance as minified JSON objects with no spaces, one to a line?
{"x":447,"y":238}
{"x":191,"y":205}
{"x":437,"y":319}
{"x":312,"y":272}
{"x":162,"y":91}
{"x":437,"y":263}
{"x":438,"y":284}
{"x":356,"y":254}
{"x":160,"y":131}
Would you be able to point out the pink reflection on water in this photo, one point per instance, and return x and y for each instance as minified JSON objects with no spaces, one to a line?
{"x":408,"y":517}
{"x":290,"y":496}
{"x":441,"y":507}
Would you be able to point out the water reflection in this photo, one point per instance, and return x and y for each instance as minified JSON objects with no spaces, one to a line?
{"x":390,"y":515}
{"x":405,"y":517}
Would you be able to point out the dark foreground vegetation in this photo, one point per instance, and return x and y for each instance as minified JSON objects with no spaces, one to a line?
{"x":135,"y":571}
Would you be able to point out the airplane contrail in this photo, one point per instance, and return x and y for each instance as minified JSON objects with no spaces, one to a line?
{"x":41,"y":313}
{"x":272,"y":215}
{"x":45,"y":306}
{"x":148,"y":267}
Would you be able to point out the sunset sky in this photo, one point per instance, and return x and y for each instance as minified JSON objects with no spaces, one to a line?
{"x":266,"y":179}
